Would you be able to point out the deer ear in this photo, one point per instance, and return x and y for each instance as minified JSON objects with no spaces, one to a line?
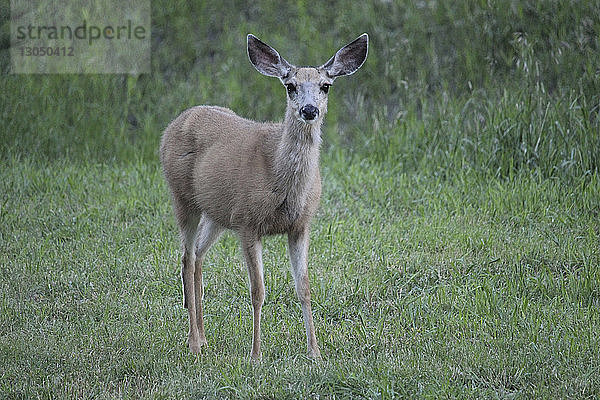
{"x":349,"y":58}
{"x":266,"y":59}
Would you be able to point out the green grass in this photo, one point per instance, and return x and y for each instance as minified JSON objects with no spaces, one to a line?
{"x":420,"y":287}
{"x":455,"y":253}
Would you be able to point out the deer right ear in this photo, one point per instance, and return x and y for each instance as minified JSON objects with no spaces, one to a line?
{"x":349,"y":58}
{"x":266,"y":59}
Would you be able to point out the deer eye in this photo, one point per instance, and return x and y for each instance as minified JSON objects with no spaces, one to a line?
{"x":291,"y":88}
{"x":325,"y":87}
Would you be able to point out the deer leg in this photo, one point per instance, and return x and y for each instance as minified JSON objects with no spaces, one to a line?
{"x":298,"y":251}
{"x":252,"y":248}
{"x":189,"y":231}
{"x":209,"y":232}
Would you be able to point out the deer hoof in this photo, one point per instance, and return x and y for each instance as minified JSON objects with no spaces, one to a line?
{"x":255,"y":357}
{"x":315,"y":354}
{"x":196,"y":345}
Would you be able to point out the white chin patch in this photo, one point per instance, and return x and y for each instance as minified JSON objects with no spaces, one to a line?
{"x":307,"y":121}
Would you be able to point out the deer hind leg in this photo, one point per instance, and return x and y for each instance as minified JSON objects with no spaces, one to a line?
{"x":252,"y":249}
{"x":189,"y":230}
{"x":208,"y":233}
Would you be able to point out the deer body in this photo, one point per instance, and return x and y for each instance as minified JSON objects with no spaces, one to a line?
{"x":257,"y":179}
{"x":265,"y":182}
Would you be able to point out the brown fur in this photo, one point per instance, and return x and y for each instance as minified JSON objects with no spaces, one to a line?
{"x":257,"y":179}
{"x":222,"y":164}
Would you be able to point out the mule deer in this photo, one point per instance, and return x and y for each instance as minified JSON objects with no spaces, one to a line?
{"x":257,"y":179}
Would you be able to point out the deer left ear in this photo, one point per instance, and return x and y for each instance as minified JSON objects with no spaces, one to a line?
{"x":266,"y":59}
{"x":349,"y":58}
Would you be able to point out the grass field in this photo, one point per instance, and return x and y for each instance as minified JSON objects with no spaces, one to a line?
{"x":455,"y":254}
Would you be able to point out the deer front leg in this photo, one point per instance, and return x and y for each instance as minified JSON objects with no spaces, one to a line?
{"x":298,"y":251}
{"x":252,"y":248}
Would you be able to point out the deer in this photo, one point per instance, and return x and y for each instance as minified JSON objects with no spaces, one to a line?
{"x":226,"y":172}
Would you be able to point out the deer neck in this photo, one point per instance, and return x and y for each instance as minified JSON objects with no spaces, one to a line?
{"x":296,"y":159}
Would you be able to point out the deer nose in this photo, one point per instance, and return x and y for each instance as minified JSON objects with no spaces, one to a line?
{"x":309,"y":112}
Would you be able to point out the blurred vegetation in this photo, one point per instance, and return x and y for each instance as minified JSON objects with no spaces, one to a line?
{"x":494,"y":87}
